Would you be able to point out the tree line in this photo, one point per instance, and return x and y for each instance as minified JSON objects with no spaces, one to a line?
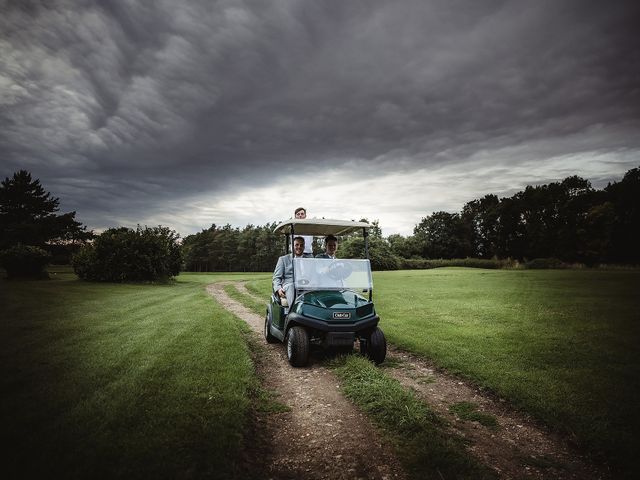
{"x":567,"y":221}
{"x":257,"y":248}
{"x":229,"y":249}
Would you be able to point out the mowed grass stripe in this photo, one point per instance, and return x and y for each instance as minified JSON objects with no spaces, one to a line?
{"x":132,"y":381}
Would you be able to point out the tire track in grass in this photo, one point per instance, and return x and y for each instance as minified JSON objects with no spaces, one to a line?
{"x":242,"y":288}
{"x":323,"y":435}
{"x":508,"y":441}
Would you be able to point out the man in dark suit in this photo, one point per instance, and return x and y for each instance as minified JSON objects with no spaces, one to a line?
{"x":330,"y":245}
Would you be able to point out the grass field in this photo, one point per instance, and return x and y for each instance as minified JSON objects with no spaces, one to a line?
{"x":140,"y":381}
{"x":560,"y":344}
{"x":121,"y":381}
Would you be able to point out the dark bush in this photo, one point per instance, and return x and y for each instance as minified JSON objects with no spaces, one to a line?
{"x":543,"y":263}
{"x":423,"y":263}
{"x":24,"y":261}
{"x":124,"y":254}
{"x":61,"y":254}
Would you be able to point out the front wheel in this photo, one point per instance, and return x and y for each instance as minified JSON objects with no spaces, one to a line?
{"x":297,"y":346}
{"x":374,"y":346}
{"x":267,"y":330}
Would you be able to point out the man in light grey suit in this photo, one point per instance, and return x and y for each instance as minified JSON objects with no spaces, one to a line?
{"x":283,"y":274}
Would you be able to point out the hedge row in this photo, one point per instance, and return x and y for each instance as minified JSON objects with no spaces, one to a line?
{"x":492,"y":263}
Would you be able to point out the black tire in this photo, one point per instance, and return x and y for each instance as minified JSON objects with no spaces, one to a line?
{"x":374,"y":346}
{"x":267,"y":333}
{"x":297,"y":342}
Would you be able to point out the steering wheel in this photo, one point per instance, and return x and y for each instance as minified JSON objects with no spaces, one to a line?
{"x":339,"y":270}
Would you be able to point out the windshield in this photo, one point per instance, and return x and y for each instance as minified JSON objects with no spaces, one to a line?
{"x":330,"y":274}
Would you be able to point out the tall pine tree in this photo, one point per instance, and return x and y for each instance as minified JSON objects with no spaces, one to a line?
{"x":28,"y":215}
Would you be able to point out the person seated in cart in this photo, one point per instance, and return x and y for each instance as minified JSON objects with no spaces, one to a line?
{"x":283,"y":273}
{"x":330,"y":245}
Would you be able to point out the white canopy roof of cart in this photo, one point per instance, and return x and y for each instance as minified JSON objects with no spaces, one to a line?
{"x":319,"y":226}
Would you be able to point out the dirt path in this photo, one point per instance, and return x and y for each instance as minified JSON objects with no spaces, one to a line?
{"x":517,"y":449}
{"x":323,"y":436}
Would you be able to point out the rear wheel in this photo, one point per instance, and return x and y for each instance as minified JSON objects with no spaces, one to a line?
{"x":374,"y":346}
{"x":297,"y":346}
{"x":267,"y":330}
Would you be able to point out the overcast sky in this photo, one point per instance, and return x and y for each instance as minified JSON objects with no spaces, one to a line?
{"x":196,"y":112}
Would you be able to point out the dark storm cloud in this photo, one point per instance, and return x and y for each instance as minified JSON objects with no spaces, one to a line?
{"x":124,"y":104}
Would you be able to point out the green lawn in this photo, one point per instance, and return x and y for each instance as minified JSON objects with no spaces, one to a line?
{"x":560,"y":344}
{"x":121,"y":381}
{"x":154,"y":381}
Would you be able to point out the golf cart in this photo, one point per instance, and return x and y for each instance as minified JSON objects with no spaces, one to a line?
{"x":332,"y":305}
